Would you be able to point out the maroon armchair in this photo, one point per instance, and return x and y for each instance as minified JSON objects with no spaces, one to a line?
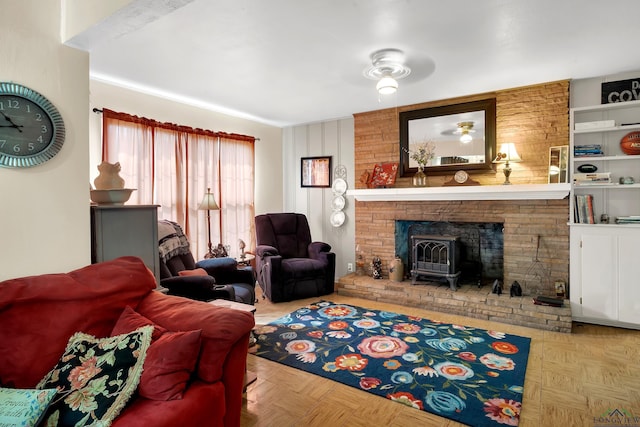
{"x":289,"y":265}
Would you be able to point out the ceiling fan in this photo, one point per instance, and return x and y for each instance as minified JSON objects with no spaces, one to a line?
{"x":387,"y":67}
{"x":464,"y":130}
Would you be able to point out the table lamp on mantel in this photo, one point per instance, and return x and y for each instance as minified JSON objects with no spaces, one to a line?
{"x":506,"y":155}
{"x":209,"y":204}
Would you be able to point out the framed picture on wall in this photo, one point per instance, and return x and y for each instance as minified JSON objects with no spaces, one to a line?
{"x":315,"y":171}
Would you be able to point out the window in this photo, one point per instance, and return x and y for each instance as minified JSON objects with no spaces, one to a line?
{"x":173,"y":166}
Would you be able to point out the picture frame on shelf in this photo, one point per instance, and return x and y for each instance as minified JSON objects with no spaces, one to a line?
{"x":315,"y":172}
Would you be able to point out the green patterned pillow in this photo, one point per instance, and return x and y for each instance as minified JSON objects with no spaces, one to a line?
{"x":96,"y":378}
{"x":23,"y":407}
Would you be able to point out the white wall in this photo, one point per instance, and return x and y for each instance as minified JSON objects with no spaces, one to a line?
{"x":332,"y":138}
{"x":268,"y":158}
{"x":586,"y":92}
{"x":45,"y":209}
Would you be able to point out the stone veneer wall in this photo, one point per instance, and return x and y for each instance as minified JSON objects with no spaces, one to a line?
{"x":535,"y":118}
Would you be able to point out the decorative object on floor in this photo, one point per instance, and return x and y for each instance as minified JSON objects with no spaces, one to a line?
{"x":537,"y":276}
{"x":470,"y":375}
{"x":209,"y":204}
{"x":396,"y":269}
{"x":506,"y":155}
{"x":376,"y":267}
{"x":359,"y":262}
{"x":384,"y":175}
{"x":515,"y":290}
{"x":560,"y":288}
{"x":496,"y":288}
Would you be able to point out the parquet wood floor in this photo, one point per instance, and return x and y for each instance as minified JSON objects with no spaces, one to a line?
{"x":571,"y":379}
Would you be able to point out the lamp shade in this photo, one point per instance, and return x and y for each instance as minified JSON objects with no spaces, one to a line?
{"x":466,"y":138}
{"x":208,"y":202}
{"x":507,"y":153}
{"x":387,"y":85}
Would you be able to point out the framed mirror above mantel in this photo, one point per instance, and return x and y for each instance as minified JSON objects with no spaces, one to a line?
{"x":462,"y":137}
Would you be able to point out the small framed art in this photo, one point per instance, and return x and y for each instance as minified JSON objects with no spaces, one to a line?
{"x":315,"y":172}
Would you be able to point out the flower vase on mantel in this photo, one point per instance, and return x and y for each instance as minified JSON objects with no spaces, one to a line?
{"x":420,"y":178}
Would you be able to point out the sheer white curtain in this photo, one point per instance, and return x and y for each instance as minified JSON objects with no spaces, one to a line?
{"x":173,"y":166}
{"x":237,"y":161}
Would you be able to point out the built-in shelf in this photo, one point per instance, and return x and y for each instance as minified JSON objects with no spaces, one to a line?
{"x":476,"y":192}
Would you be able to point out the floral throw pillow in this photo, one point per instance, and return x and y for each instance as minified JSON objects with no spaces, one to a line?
{"x":96,"y":378}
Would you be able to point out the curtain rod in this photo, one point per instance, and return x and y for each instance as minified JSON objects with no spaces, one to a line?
{"x":99,"y":111}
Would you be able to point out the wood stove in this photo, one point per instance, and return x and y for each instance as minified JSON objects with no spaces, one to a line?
{"x":435,"y":256}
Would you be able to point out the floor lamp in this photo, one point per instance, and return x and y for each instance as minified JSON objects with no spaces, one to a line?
{"x":209,"y":204}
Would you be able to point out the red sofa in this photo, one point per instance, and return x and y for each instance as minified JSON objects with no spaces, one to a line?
{"x":39,"y":314}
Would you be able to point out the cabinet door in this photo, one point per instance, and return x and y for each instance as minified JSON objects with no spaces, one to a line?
{"x":599,"y":277}
{"x":629,"y":277}
{"x":126,"y":230}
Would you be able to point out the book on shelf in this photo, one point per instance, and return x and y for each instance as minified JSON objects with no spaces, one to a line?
{"x":590,"y":150}
{"x":592,"y":178}
{"x":583,"y":211}
{"x":632,"y":219}
{"x":599,"y":124}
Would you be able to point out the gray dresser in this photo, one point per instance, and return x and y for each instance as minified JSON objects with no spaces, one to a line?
{"x":125,"y":230}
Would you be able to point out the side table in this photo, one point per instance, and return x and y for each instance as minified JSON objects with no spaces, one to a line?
{"x":249,"y":376}
{"x":246,"y":260}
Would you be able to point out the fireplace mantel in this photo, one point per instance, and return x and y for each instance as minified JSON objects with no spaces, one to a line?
{"x":476,"y":192}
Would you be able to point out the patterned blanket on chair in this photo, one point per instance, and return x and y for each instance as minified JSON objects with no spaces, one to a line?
{"x":171,"y":240}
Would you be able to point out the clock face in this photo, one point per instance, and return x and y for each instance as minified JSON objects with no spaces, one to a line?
{"x":31,"y":129}
{"x":461,"y":177}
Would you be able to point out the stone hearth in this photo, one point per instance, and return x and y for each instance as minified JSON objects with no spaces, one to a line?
{"x":468,"y":300}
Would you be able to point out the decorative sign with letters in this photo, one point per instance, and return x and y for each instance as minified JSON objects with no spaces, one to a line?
{"x":621,"y":91}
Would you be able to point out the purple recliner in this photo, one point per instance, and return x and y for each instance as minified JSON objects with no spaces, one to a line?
{"x":289,"y":265}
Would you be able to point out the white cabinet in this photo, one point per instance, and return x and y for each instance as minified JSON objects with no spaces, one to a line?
{"x":605,"y":271}
{"x":605,"y":275}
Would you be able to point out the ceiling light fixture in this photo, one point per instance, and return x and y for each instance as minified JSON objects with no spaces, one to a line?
{"x":465,"y":129}
{"x":387,"y":67}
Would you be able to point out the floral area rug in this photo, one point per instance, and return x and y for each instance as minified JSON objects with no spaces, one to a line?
{"x":469,"y":375}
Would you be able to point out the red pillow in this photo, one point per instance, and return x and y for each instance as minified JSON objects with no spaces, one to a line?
{"x":195,"y":272}
{"x":169,"y":364}
{"x":170,"y":361}
{"x":130,"y":320}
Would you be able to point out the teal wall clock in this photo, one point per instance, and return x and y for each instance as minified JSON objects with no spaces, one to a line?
{"x":31,"y":128}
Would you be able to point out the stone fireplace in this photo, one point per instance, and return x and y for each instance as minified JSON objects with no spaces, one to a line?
{"x":535,"y":118}
{"x":520,"y":221}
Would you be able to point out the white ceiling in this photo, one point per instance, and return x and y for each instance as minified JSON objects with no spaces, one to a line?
{"x":287,"y":62}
